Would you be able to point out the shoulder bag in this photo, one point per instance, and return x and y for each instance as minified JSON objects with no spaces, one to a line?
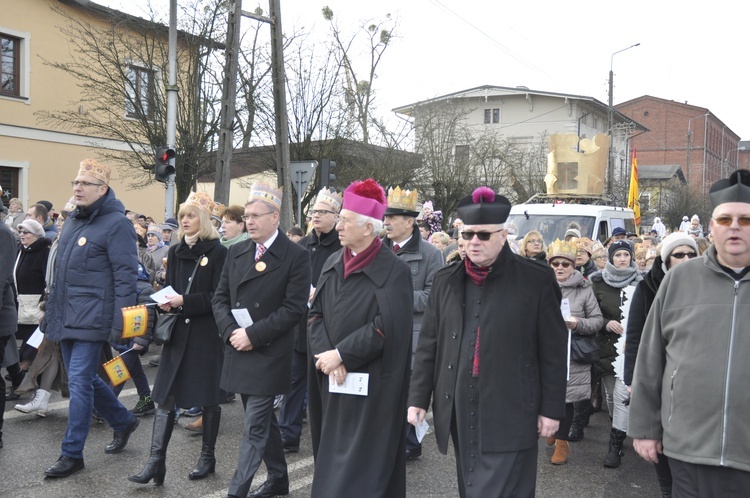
{"x":166,"y":321}
{"x":584,"y":348}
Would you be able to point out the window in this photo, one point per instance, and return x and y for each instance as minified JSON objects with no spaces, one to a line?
{"x":140,"y":88}
{"x":10,"y":77}
{"x":487,"y":116}
{"x":495,"y":116}
{"x":491,"y":116}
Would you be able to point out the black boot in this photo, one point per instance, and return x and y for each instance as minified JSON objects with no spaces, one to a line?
{"x":207,"y":461}
{"x":581,"y":414}
{"x":156,"y":466}
{"x":616,"y":438}
{"x":596,"y":396}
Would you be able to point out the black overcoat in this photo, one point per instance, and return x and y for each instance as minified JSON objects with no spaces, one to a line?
{"x":190,"y":364}
{"x":275,"y":291}
{"x":522,"y":352}
{"x":359,"y":443}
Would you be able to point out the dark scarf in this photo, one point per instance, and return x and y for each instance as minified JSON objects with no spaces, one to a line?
{"x":354,"y":263}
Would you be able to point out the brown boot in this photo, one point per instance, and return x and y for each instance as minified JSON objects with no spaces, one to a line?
{"x":562,"y":452}
{"x":551,"y":441}
{"x":196,"y":426}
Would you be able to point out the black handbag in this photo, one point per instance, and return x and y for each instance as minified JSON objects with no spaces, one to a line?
{"x":166,"y":321}
{"x":584,"y":349}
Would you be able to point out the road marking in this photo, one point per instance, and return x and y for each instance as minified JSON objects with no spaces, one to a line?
{"x":60,"y":405}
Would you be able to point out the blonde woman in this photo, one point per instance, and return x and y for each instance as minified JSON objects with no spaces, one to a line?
{"x":532,"y":246}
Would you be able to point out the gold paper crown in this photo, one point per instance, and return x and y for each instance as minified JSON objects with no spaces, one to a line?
{"x":92,"y":167}
{"x":202,"y":201}
{"x":402,"y":199}
{"x":561,"y":249}
{"x":218,"y":210}
{"x":597,"y":248}
{"x":330,"y":199}
{"x":268,"y":195}
{"x":585,"y":243}
{"x":640,"y":248}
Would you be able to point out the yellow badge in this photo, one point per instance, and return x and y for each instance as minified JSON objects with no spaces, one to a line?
{"x":260,"y":266}
{"x":204,"y":261}
{"x":82,"y":241}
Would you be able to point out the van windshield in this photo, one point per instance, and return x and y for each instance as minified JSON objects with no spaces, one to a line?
{"x":551,"y":227}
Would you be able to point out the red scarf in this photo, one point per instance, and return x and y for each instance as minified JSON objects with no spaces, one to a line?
{"x":353,"y":263}
{"x":478,"y":275}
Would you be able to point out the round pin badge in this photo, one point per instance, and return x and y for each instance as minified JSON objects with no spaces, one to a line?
{"x":82,"y":241}
{"x":260,"y":266}
{"x":204,"y":261}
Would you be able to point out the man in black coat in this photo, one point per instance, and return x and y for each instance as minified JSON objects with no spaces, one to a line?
{"x":322,"y":242}
{"x":492,"y":355}
{"x":262,"y":294}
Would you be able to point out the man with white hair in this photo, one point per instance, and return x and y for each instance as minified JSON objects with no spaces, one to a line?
{"x":492,"y":356}
{"x":695,"y":340}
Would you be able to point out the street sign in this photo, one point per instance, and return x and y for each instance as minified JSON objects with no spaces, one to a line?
{"x":301,"y":172}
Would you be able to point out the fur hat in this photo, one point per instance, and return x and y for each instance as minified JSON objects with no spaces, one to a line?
{"x":32,"y":226}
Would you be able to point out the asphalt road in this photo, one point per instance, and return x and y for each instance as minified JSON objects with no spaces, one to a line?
{"x":32,"y":444}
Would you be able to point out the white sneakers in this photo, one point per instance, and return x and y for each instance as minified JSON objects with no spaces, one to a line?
{"x":38,"y":403}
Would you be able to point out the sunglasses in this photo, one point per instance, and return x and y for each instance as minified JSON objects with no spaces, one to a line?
{"x":483,"y":236}
{"x":23,"y":232}
{"x":726,"y":221}
{"x":564,"y":264}
{"x":682,"y":255}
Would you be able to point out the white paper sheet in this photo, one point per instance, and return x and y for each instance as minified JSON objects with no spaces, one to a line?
{"x":36,"y":338}
{"x":421,"y":429}
{"x":355,"y":383}
{"x":242,"y":317}
{"x":161,"y":296}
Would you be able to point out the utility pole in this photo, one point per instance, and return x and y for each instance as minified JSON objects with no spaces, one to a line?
{"x":228,"y":97}
{"x":610,"y":122}
{"x":171,"y":106}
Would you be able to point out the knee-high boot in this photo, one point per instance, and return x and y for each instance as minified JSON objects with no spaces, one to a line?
{"x":207,"y":461}
{"x":156,"y":466}
{"x":581,"y":413}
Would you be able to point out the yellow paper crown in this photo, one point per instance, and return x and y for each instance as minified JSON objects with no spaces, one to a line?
{"x":561,"y":249}
{"x":201,"y":200}
{"x":218,"y":209}
{"x":402,"y":199}
{"x":640,"y":248}
{"x":330,"y":199}
{"x":92,"y":167}
{"x":585,"y":243}
{"x":268,"y":195}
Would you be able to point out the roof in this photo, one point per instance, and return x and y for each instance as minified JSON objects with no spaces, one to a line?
{"x":486,"y":91}
{"x":660,"y":171}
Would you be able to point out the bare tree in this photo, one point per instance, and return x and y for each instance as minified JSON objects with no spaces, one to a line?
{"x":683,"y":200}
{"x":119,"y":64}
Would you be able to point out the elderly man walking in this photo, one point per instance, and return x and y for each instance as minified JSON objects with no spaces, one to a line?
{"x":689,"y":392}
{"x":97,"y":270}
{"x":492,"y":356}
{"x":359,"y":331}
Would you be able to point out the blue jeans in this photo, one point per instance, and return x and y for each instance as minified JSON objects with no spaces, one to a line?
{"x":87,"y":391}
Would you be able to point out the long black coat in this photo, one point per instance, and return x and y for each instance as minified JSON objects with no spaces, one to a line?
{"x":31,"y":267}
{"x":523,"y":352}
{"x":359,"y":442}
{"x":275,"y":293}
{"x":190,"y":365}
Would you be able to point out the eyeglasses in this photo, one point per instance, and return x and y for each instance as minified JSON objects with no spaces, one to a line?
{"x":23,"y":232}
{"x":682,"y":255}
{"x":345,"y":221}
{"x":483,"y":236}
{"x":535,"y":241}
{"x":600,"y":257}
{"x":321,"y":212}
{"x":726,"y":221}
{"x":564,"y":264}
{"x":253,"y":217}
{"x":76,"y":183}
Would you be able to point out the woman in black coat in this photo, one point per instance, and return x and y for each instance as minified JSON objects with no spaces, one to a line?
{"x":190,"y":365}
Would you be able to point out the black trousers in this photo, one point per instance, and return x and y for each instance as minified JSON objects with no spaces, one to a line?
{"x":690,"y":480}
{"x":3,"y":344}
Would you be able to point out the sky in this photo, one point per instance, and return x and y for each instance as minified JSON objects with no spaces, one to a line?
{"x":687,"y":53}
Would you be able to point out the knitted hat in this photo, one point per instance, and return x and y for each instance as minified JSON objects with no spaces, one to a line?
{"x":267,"y":194}
{"x":574,"y":232}
{"x":674,"y":240}
{"x":201,"y":200}
{"x":428,"y":205}
{"x":46,"y":204}
{"x":366,"y":198}
{"x":484,"y":207}
{"x":619,"y":245}
{"x":32,"y":226}
{"x":170,"y":224}
{"x":155,"y":230}
{"x":695,"y":218}
{"x":328,"y":198}
{"x":92,"y":167}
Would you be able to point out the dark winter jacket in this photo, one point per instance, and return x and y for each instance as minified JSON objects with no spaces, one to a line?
{"x":8,"y":313}
{"x":31,"y":267}
{"x":97,"y":265}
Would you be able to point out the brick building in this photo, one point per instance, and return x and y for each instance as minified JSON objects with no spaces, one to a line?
{"x":686,"y":135}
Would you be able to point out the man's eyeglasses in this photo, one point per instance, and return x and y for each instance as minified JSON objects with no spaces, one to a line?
{"x":726,"y":221}
{"x":483,"y":236}
{"x":564,"y":264}
{"x":682,"y":255}
{"x":76,"y":183}
{"x":253,"y":217}
{"x":321,"y":212}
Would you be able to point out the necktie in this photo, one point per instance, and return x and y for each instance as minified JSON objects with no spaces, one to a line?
{"x":396,"y":247}
{"x":260,"y":251}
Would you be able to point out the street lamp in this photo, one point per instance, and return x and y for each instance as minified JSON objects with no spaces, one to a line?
{"x":689,"y":135}
{"x":610,"y":118}
{"x":726,"y":161}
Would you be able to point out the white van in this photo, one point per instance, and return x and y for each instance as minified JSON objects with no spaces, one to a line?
{"x":551,"y":216}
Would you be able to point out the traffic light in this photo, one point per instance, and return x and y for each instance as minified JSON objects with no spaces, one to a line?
{"x":163,"y":169}
{"x":326,"y":176}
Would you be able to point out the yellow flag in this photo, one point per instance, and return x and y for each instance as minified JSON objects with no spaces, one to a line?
{"x":634,"y":197}
{"x":116,"y":371}
{"x":134,"y":321}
